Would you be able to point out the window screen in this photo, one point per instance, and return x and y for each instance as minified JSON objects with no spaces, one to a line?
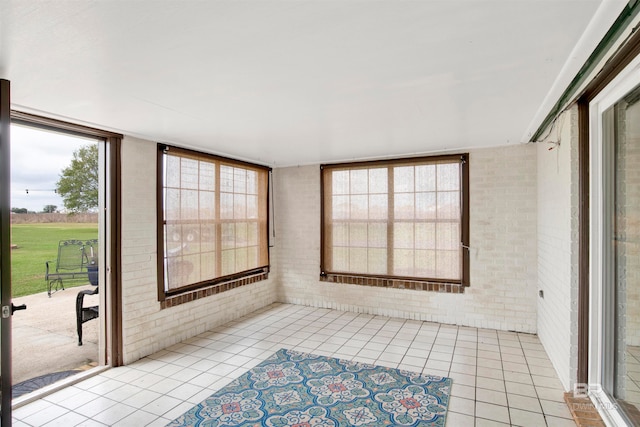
{"x":401,"y":218}
{"x":214,"y":218}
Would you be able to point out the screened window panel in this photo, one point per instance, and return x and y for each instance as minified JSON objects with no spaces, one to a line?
{"x":226,"y":179}
{"x":448,"y":205}
{"x":403,"y":235}
{"x":172,"y":169}
{"x":378,"y":207}
{"x":426,"y":235}
{"x":425,"y":263}
{"x":172,"y":204}
{"x":425,"y":178}
{"x":207,"y":205}
{"x":412,"y":231}
{"x":189,"y":205}
{"x":358,"y":260}
{"x":403,"y":179}
{"x":215,"y":218}
{"x":252,"y":234}
{"x":359,"y":181}
{"x":340,"y":207}
{"x":377,"y":237}
{"x":252,"y":207}
{"x":448,"y":177}
{"x":426,"y":206}
{"x":207,"y":268}
{"x":207,"y":175}
{"x":358,"y":235}
{"x":228,"y":262}
{"x":228,"y":236}
{"x":378,"y":181}
{"x":359,"y":207}
{"x":377,"y":261}
{"x":404,"y":206}
{"x":227,"y":206}
{"x":341,"y":182}
{"x":341,"y":234}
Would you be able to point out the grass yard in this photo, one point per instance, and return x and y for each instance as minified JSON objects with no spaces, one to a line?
{"x":38,"y":243}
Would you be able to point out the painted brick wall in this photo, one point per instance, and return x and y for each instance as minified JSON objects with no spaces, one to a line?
{"x":503,"y":224}
{"x":147,"y":328}
{"x":558,"y":247}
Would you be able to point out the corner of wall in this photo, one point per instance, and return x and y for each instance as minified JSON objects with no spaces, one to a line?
{"x":146,"y":328}
{"x":558,"y":245}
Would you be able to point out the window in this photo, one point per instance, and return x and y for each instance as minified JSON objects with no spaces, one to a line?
{"x":213,"y":220}
{"x":401,"y":219}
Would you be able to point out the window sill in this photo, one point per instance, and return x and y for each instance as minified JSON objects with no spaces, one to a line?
{"x":188,"y":296}
{"x":380,"y":282}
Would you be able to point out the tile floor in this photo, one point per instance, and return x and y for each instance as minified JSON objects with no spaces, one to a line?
{"x":499,"y":378}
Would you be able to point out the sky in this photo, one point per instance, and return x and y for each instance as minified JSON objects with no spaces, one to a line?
{"x":37,"y":160}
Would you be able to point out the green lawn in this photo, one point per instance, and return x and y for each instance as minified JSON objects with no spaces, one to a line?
{"x":38,"y":243}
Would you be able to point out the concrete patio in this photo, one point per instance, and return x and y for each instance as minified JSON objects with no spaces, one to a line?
{"x":44,"y":335}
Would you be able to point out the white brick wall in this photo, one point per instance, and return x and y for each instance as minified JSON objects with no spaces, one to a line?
{"x":502,"y":294}
{"x":147,"y":328}
{"x":523,"y":203}
{"x":558,"y":248}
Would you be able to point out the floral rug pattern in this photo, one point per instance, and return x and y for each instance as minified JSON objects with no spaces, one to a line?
{"x":294,"y":389}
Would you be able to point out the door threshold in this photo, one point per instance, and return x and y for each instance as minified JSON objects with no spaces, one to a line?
{"x":57,"y":386}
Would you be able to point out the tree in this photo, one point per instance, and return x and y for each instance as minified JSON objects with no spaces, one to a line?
{"x":50,"y":209}
{"x":78,"y":183}
{"x":19,"y":210}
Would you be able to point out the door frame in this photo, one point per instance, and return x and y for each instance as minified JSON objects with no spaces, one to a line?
{"x":5,"y":251}
{"x":111,"y":353}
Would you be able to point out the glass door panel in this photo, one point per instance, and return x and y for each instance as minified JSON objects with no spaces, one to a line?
{"x":621,"y":368}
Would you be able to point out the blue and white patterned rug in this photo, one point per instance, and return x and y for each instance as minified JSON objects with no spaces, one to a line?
{"x":293,"y":389}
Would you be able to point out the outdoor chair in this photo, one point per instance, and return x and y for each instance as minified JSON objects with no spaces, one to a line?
{"x":67,"y":266}
{"x":76,"y":259}
{"x":84,"y":314}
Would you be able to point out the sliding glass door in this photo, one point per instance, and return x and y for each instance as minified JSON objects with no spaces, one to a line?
{"x":615,"y":264}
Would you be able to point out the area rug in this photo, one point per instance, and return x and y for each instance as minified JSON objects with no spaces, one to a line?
{"x":293,"y":389}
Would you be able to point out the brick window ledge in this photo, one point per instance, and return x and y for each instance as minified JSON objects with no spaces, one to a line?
{"x":174,"y":300}
{"x":386,"y":282}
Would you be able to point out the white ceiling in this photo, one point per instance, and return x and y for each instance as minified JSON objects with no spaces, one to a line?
{"x":295,"y":82}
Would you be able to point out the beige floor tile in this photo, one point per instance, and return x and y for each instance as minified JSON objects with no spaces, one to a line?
{"x":492,"y":412}
{"x":556,"y":409}
{"x":525,"y":403}
{"x":455,"y":419}
{"x":491,"y":396}
{"x":526,"y":419}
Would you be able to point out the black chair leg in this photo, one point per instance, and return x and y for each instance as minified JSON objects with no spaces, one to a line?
{"x":79,"y":302}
